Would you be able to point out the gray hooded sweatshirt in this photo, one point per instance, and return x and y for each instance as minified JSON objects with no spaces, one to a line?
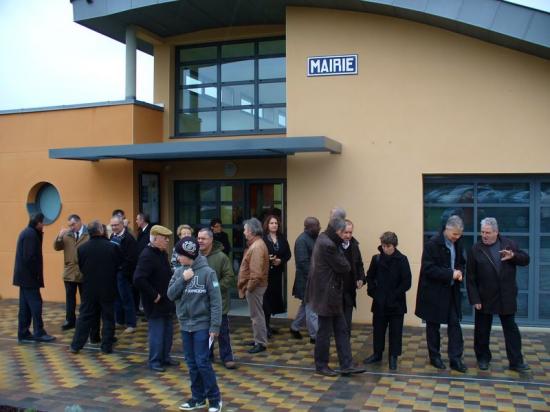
{"x":198,"y":300}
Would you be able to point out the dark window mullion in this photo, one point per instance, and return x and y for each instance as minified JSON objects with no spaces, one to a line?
{"x":219,"y":88}
{"x":256,"y":87}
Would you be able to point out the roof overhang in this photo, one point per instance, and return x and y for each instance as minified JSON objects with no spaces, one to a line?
{"x":496,"y":21}
{"x":207,"y":149}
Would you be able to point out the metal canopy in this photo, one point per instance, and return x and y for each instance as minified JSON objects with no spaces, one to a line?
{"x":210,"y":149}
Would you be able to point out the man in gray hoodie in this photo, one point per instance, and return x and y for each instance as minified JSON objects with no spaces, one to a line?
{"x":195,"y":289}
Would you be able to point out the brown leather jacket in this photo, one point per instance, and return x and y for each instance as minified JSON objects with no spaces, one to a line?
{"x":254,"y":267}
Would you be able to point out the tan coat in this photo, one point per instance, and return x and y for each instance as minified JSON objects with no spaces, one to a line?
{"x":254,"y":267}
{"x":69,"y":245}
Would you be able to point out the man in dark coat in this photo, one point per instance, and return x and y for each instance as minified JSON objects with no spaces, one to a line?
{"x":388,"y":278}
{"x":98,"y":261}
{"x":303,"y":248}
{"x":438,"y":295}
{"x":152,"y":277}
{"x":492,"y":289}
{"x":144,"y":230}
{"x":355,"y":278}
{"x":219,"y":235}
{"x":29,"y":276}
{"x":125,"y":311}
{"x":324,"y":292}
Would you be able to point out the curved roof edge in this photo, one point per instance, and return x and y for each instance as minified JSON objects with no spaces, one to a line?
{"x":495,"y":21}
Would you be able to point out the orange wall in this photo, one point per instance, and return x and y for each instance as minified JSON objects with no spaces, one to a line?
{"x":90,"y":189}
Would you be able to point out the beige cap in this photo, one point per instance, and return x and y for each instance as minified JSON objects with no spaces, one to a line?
{"x":160,"y":230}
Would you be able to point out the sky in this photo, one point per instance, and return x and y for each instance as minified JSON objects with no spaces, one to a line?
{"x":47,"y":60}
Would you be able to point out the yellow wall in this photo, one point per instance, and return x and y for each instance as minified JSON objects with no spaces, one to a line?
{"x":90,"y":189}
{"x":425,"y":101}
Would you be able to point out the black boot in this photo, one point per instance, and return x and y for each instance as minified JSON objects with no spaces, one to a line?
{"x":393,"y":362}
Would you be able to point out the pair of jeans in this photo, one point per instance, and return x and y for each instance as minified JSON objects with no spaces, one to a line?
{"x":306,"y":316}
{"x":125,"y":311}
{"x":202,"y":375}
{"x":512,"y":337}
{"x":224,"y":341}
{"x":70,"y":300}
{"x":161,"y":333}
{"x":30,"y":308}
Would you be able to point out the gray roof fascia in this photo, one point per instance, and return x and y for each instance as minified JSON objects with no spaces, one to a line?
{"x":257,"y":147}
{"x":83,"y":106}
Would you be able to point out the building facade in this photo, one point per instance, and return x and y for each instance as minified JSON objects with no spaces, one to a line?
{"x":448,"y":111}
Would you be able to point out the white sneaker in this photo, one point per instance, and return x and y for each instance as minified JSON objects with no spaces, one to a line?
{"x":129,"y":329}
{"x":215,"y":407}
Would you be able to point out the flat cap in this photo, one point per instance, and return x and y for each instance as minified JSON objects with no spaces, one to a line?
{"x":160,"y":230}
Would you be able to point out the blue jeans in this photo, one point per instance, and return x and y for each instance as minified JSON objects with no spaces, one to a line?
{"x":201,"y":373}
{"x":161,"y":332}
{"x":226,"y":353}
{"x":30,"y":308}
{"x":125,"y":311}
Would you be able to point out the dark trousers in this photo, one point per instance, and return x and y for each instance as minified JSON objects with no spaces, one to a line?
{"x":266,"y":305}
{"x":125,"y":311}
{"x":327,"y":326}
{"x":348,"y":314}
{"x":161,"y":333}
{"x":455,"y":344}
{"x":30,"y":309}
{"x":91,"y":309}
{"x":380,"y":322}
{"x":70,"y":300}
{"x":202,"y":375}
{"x":512,"y":337}
{"x":224,"y":341}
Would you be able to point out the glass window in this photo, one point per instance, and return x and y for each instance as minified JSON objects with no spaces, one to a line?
{"x":545,"y":219}
{"x":272,"y":118}
{"x":198,"y":122}
{"x":273,"y":68}
{"x":448,"y":193}
{"x":237,"y":50}
{"x":544,"y":306}
{"x":272,"y":47}
{"x":272,"y":93}
{"x":198,"y":53}
{"x":200,"y":97}
{"x":46,"y":201}
{"x":545,"y":192}
{"x":239,"y":95}
{"x":238,"y":119}
{"x":208,"y":212}
{"x":544,"y":249}
{"x":197,"y":74}
{"x":544,"y":279}
{"x":238,"y":71}
{"x":523,"y":305}
{"x":436,"y":217}
{"x":510,"y":219}
{"x":503,"y":193}
{"x":231,"y":193}
{"x":208,"y":192}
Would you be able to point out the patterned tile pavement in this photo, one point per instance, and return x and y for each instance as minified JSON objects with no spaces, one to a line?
{"x":47,"y":377}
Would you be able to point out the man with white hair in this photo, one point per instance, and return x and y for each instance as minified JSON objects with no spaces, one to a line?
{"x":492,"y":289}
{"x":438,"y":296}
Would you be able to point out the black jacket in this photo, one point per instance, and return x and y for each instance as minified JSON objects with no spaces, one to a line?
{"x":274,"y":291}
{"x":99,"y":260}
{"x":324,"y":290}
{"x":143,"y":238}
{"x":224,"y":240}
{"x":128,"y":249}
{"x":303,"y":248}
{"x":28,"y":271}
{"x":151,"y":278}
{"x":388,"y":278}
{"x":357,"y":272}
{"x":436,"y":289}
{"x":496,"y":291}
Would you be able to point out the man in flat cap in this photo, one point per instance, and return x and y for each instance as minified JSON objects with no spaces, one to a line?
{"x":151,"y":277}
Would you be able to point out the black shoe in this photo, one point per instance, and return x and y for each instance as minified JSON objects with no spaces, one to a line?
{"x":172,"y":362}
{"x":269,"y":334}
{"x":28,"y":338}
{"x":96,"y":340}
{"x":437,"y":363}
{"x":296,"y":334}
{"x":250,"y":343}
{"x":483,"y":365}
{"x":157,"y":368}
{"x":73,"y":350}
{"x":352,"y":370}
{"x":326,"y":371}
{"x":45,"y":338}
{"x":522,"y":367}
{"x":312,"y":341}
{"x":230,"y":365}
{"x":115,"y":339}
{"x":392,"y":363}
{"x":107,"y":350}
{"x":374,"y":358}
{"x":274,"y":331}
{"x":458,"y":366}
{"x":67,"y":325}
{"x":257,"y":349}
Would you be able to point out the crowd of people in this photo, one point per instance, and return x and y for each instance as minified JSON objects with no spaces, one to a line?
{"x":120,"y":276}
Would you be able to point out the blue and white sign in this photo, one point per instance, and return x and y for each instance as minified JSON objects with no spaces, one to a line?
{"x":332,"y":65}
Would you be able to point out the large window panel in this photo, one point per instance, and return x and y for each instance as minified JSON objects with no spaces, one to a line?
{"x":272,"y":68}
{"x":238,"y":71}
{"x":198,"y":122}
{"x":272,"y":47}
{"x":503,"y":193}
{"x":272,"y":118}
{"x":238,"y":119}
{"x":200,"y":97}
{"x":197,"y":74}
{"x":238,"y":50}
{"x":436,"y":217}
{"x":198,"y":53}
{"x":510,"y":219}
{"x":238,"y":95}
{"x":447,"y":193}
{"x":272,"y":93}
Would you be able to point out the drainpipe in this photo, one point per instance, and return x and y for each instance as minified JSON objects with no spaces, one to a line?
{"x":131,"y":46}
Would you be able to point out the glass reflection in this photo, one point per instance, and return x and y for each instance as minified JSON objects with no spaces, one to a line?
{"x":272,"y":93}
{"x":241,"y":95}
{"x":197,"y":122}
{"x":238,"y":119}
{"x":510,"y":219}
{"x":198,"y":53}
{"x":200,"y":97}
{"x":272,"y":117}
{"x":545,"y":192}
{"x":198,"y":74}
{"x":436,"y":217}
{"x":273,"y":68}
{"x":544,"y":306}
{"x":238,"y":71}
{"x":503,"y":193}
{"x":448,"y":193}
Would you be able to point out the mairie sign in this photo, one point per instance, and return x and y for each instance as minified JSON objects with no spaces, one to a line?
{"x":332,"y":65}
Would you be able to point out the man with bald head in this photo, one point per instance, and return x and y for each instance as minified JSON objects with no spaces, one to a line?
{"x":303,"y":248}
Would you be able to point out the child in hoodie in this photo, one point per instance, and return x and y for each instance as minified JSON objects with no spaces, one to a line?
{"x":196,"y":292}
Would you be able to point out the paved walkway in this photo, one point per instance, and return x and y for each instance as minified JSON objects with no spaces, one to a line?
{"x":47,"y":377}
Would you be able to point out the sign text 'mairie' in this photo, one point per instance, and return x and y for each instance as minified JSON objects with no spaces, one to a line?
{"x":332,"y":65}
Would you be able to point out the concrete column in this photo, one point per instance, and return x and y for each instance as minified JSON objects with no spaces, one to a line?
{"x":131,"y":47}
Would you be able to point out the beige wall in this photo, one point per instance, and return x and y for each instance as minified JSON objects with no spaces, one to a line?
{"x":425,"y":101}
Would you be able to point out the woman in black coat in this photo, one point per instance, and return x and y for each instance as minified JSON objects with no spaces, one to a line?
{"x":388,"y":278}
{"x":279,"y":254}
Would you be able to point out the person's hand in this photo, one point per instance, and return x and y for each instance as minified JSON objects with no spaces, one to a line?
{"x":62,"y":232}
{"x":477,"y":306}
{"x":242,"y":293}
{"x":359,"y":284}
{"x":125,"y":222}
{"x":188,"y":274}
{"x":213,"y":335}
{"x":276,"y":261}
{"x":457,"y":275}
{"x":158,"y":298}
{"x":506,"y":254}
